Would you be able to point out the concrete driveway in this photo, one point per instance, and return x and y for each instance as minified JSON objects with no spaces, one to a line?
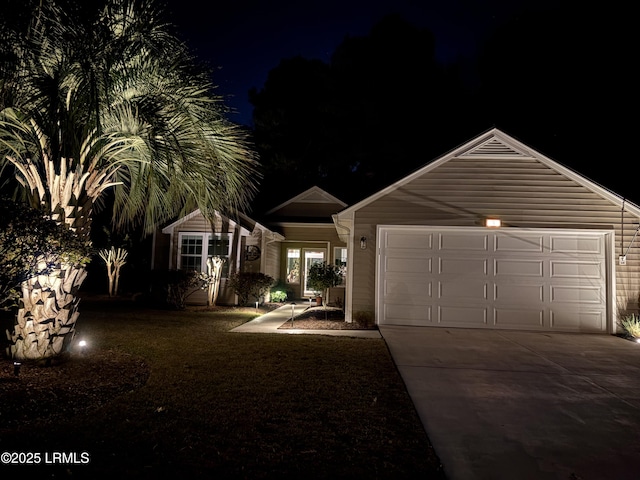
{"x":522,"y":405}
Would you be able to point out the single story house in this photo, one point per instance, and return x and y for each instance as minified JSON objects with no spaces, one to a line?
{"x":294,"y":235}
{"x":244,"y":244}
{"x":492,"y":235}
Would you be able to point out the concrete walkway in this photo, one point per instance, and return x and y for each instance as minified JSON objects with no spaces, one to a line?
{"x":269,"y":323}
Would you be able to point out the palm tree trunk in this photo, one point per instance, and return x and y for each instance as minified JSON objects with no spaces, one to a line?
{"x":45,"y":322}
{"x":46,"y":318}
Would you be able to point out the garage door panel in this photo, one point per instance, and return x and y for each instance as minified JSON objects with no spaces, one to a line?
{"x":577,"y":320}
{"x":403,"y":289}
{"x":462,"y":266}
{"x":538,"y":279}
{"x":583,"y":244}
{"x":576,"y":295}
{"x":403,"y":314}
{"x":468,"y":290}
{"x":455,"y":242}
{"x":408,"y":265}
{"x":519,"y":244}
{"x":406,"y":239}
{"x":522,"y":294}
{"x":575,"y":269}
{"x":514,"y":267}
{"x":462,"y":316}
{"x":524,"y":318}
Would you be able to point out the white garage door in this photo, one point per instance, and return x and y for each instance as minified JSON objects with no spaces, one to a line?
{"x":484,"y":278}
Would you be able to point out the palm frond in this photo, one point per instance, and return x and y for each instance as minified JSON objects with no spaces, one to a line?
{"x":121,"y":103}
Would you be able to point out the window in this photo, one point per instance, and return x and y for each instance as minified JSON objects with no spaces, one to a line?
{"x":293,"y":265}
{"x":340,"y":261}
{"x":191,"y":251}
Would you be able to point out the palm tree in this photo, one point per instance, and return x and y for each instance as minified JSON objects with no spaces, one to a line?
{"x":114,"y":103}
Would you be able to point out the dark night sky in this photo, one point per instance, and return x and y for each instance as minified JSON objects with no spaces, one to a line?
{"x":245,"y":39}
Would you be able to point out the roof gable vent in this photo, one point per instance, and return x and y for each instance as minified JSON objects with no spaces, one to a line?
{"x":493,"y":148}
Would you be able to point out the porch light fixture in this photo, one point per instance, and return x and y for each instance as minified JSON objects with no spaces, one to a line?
{"x":492,"y":222}
{"x":363,"y":243}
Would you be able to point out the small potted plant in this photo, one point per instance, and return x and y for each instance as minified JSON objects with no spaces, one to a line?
{"x":323,"y":276}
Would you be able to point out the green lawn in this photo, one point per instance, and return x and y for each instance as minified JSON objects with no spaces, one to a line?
{"x":215,"y":404}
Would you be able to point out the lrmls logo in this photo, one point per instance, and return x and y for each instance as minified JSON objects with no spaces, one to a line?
{"x":67,"y":457}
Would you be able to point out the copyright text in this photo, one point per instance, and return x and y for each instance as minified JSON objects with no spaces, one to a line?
{"x":37,"y":458}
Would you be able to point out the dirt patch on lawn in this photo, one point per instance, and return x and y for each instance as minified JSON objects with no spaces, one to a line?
{"x":319,"y":318}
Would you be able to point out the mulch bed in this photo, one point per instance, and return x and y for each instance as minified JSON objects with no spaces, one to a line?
{"x":319,"y":318}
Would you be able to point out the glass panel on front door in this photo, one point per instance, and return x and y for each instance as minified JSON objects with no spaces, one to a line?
{"x":293,"y":265}
{"x":311,"y":257}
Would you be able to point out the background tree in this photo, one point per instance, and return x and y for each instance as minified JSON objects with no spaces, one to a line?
{"x":323,"y":276}
{"x":114,"y":259}
{"x":381,"y":107}
{"x":115,"y":102}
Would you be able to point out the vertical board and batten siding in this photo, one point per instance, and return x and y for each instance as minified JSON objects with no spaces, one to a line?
{"x":520,"y":190}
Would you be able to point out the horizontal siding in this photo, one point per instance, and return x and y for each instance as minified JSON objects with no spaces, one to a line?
{"x":272,"y":263}
{"x":313,"y":234}
{"x":308,"y":209}
{"x":364,"y":264}
{"x":195,"y":224}
{"x":522,"y":192}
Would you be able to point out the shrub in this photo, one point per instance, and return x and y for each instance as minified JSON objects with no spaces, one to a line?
{"x":249,"y":285}
{"x":173,"y":287}
{"x":631,"y":325}
{"x":31,"y":245}
{"x":280,"y":292}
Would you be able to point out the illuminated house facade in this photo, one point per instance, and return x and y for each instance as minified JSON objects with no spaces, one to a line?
{"x":561,"y":254}
{"x":419,"y":252}
{"x":300,"y":232}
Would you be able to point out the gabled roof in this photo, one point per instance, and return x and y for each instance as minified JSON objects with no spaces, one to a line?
{"x":313,"y":195}
{"x":496,"y":144}
{"x":313,"y":207}
{"x":245,"y":223}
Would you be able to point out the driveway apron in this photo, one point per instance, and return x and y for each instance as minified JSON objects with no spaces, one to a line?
{"x":524,"y":405}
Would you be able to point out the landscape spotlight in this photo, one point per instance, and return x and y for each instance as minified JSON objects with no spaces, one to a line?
{"x":16,"y":368}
